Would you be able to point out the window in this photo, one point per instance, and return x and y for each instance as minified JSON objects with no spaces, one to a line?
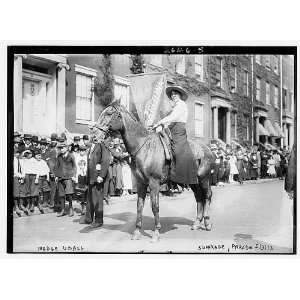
{"x":268,"y":90}
{"x":284,"y":98}
{"x":121,"y":90}
{"x":199,"y":67}
{"x":180,"y":64}
{"x":245,"y":83}
{"x":292,"y":102}
{"x":219,"y":73}
{"x":199,"y":130}
{"x":247,"y":127}
{"x":276,"y":64}
{"x":235,"y":125}
{"x":156,"y":60}
{"x":84,"y":97}
{"x":258,"y":59}
{"x":233,"y":78}
{"x":276,"y":96}
{"x":258,"y":81}
{"x":268,"y":61}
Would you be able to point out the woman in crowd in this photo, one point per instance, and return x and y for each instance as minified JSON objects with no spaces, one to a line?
{"x":253,"y":165}
{"x":233,"y":168}
{"x":240,"y":166}
{"x":271,"y":166}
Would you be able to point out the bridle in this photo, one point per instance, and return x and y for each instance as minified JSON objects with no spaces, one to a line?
{"x":105,"y":128}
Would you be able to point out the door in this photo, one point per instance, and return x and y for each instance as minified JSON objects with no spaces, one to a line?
{"x":34,"y":107}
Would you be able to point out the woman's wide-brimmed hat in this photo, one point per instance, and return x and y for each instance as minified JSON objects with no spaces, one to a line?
{"x":179,"y":89}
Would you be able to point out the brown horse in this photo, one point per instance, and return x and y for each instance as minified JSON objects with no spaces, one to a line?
{"x":150,"y":167}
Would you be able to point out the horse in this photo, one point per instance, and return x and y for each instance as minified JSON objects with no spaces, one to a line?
{"x":290,"y":178}
{"x":150,"y":167}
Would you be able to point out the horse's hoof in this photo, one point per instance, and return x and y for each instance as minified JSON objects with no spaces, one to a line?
{"x":155,"y":237}
{"x":208,"y":225}
{"x":136,"y":235}
{"x":197,"y":225}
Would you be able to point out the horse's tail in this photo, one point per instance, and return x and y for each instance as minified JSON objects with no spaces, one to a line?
{"x":205,"y":162}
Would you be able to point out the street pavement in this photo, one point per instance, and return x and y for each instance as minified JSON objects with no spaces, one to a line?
{"x":249,"y":218}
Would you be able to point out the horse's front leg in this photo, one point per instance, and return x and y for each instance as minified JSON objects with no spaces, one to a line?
{"x":141,"y":192}
{"x":154,"y":196}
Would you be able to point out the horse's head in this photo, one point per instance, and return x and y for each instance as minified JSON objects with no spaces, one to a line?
{"x":109,"y":122}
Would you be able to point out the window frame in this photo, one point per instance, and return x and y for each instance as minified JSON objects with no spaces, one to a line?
{"x":220,"y":83}
{"x":92,"y":74}
{"x":233,"y":89}
{"x":258,"y":79}
{"x":268,"y":99}
{"x":276,"y":97}
{"x":124,"y":82}
{"x":246,"y":82}
{"x":201,"y":135}
{"x":182,"y":62}
{"x":200,"y":75}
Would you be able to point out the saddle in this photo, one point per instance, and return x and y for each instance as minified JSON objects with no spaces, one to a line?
{"x":166,"y":140}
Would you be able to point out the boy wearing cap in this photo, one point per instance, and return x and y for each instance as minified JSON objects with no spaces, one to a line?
{"x":17,"y":190}
{"x":65,"y":172}
{"x":42,"y":171}
{"x":50,"y":157}
{"x":75,"y":144}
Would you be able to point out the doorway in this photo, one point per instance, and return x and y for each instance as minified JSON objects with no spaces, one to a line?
{"x":222,"y":123}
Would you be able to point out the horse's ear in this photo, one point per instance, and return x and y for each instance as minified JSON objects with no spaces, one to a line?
{"x":116,"y":102}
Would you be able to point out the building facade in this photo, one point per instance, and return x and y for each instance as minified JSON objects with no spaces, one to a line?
{"x":231,"y":90}
{"x":232,"y":98}
{"x":288,"y":101}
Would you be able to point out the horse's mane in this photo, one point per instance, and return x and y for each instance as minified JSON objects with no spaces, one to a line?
{"x":135,"y":125}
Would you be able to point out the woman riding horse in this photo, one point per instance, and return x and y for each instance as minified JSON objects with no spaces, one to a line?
{"x":148,"y":161}
{"x":184,"y":170}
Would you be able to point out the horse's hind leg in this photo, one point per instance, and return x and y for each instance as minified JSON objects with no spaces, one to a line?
{"x":141,"y":192}
{"x":207,"y":194}
{"x":154,"y":196}
{"x":200,"y":207}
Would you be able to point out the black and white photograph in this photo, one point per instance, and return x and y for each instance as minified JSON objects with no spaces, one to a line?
{"x":151,"y":149}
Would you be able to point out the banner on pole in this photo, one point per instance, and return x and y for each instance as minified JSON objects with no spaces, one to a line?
{"x":149,"y":98}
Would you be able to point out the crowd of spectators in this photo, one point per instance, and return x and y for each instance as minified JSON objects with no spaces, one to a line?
{"x":35,"y":175}
{"x":239,"y":164}
{"x":35,"y":171}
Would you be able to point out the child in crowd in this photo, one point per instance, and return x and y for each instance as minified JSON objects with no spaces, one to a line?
{"x":127,"y":180}
{"x":65,"y":176}
{"x":17,"y":191}
{"x":42,"y":170}
{"x":271,"y":166}
{"x":30,"y":169}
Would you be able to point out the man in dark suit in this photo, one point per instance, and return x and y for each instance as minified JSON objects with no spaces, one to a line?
{"x":97,"y":167}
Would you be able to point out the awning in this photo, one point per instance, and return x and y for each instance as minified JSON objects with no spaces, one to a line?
{"x":268,"y":125}
{"x":262,"y":130}
{"x":278,"y":130}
